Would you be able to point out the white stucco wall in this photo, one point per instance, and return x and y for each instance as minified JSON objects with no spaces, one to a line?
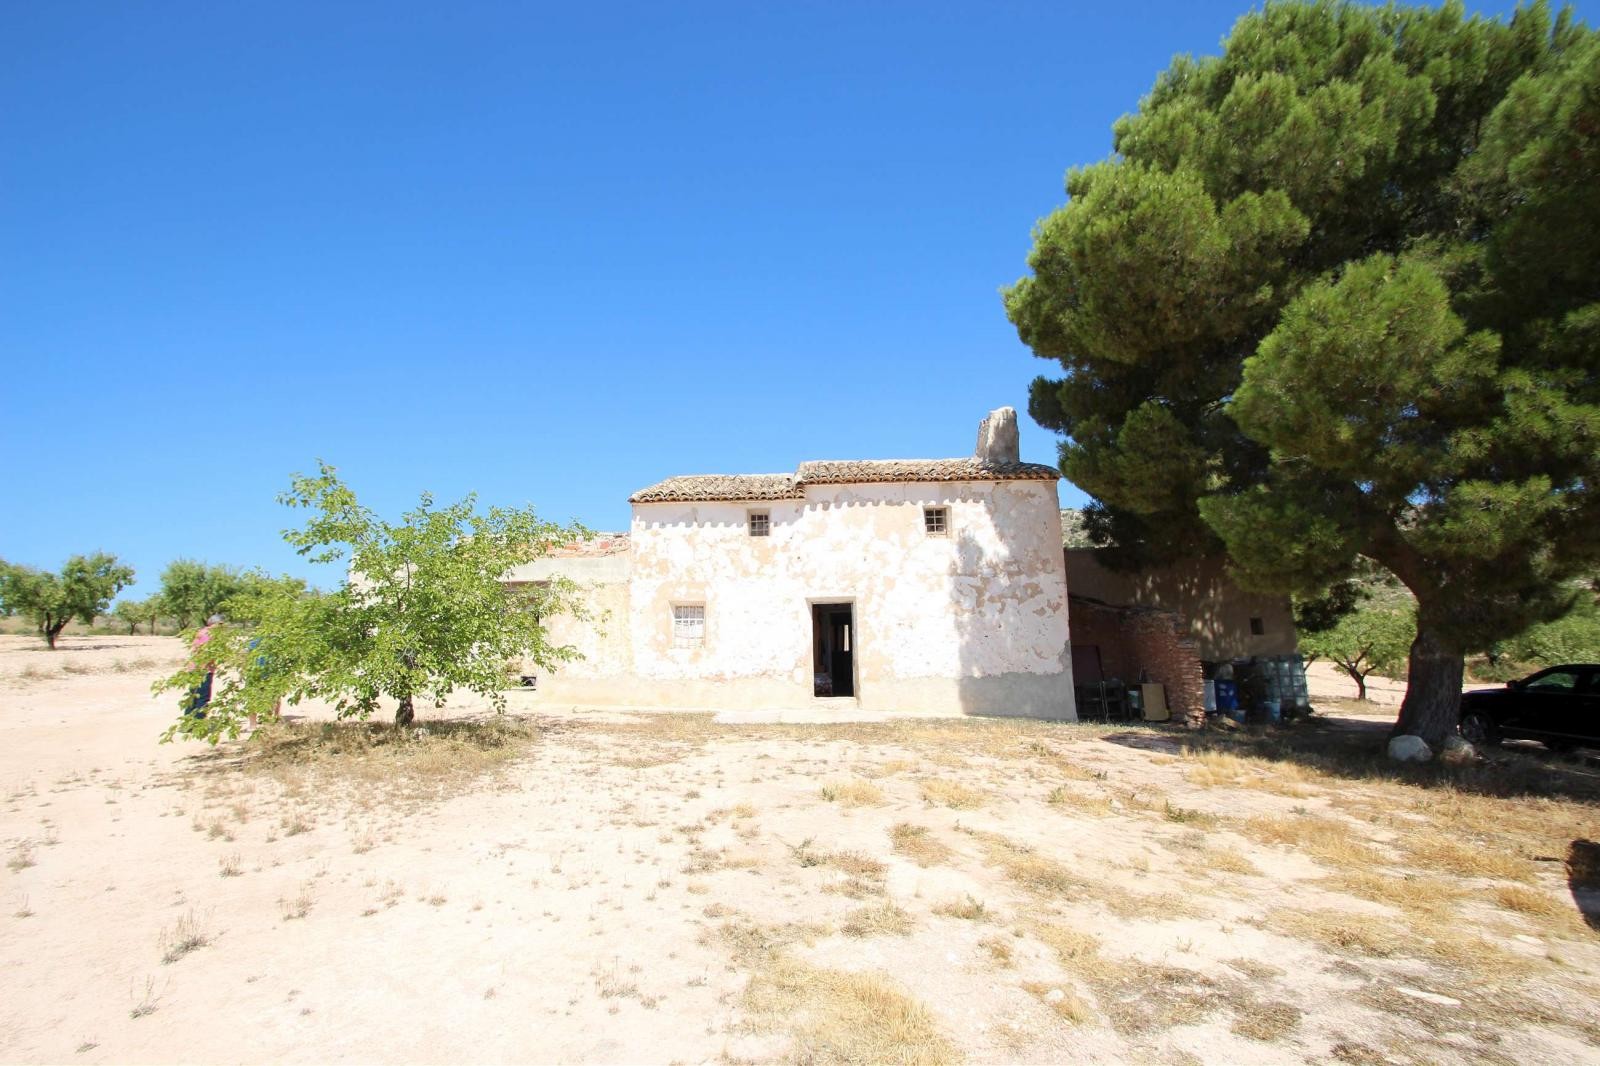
{"x":975,"y":621}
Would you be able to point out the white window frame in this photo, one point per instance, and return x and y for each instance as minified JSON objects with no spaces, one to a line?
{"x":760,"y":523}
{"x":936,"y":521}
{"x":688,"y":625}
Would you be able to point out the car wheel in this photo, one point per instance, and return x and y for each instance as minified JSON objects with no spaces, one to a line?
{"x":1478,"y":728}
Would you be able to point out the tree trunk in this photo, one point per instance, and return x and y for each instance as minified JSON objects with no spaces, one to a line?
{"x":51,"y":632}
{"x":1432,"y":707}
{"x":1361,"y":687}
{"x":403,"y":714}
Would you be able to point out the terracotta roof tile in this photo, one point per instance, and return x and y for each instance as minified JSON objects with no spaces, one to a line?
{"x":720,"y":487}
{"x":731,"y":487}
{"x":854,"y":471}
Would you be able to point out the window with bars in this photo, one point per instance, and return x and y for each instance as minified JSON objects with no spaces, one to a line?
{"x":935,"y":521}
{"x":760,"y":524}
{"x":689,"y":625}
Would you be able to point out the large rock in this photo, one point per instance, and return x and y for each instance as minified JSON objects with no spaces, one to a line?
{"x":1408,"y":748}
{"x":1456,"y":749}
{"x":997,"y":437}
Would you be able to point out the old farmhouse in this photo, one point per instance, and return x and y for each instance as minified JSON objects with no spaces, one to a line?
{"x":931,"y":585}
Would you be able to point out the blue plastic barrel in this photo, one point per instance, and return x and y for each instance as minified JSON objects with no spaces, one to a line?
{"x":1227,"y":695}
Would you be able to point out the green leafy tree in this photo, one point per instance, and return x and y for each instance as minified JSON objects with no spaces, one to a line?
{"x":135,"y":613}
{"x":192,"y":591}
{"x":1572,"y":638}
{"x":1366,"y":640}
{"x":1337,"y":294}
{"x":83,"y":589}
{"x":255,"y":593}
{"x":423,"y":610}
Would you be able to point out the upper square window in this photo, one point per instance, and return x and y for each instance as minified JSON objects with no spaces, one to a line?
{"x":760,"y":524}
{"x":936,"y":521}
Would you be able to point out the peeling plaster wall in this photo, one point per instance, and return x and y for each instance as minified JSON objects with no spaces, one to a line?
{"x":602,"y":638}
{"x":975,"y":621}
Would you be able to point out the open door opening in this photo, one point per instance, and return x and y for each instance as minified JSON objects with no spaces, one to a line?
{"x":833,"y":641}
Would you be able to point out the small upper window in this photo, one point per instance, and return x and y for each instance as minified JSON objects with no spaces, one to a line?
{"x":760,"y":524}
{"x":1257,"y":627}
{"x":689,"y":625}
{"x":936,"y":521}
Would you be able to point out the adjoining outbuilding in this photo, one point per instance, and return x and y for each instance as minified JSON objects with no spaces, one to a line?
{"x":1180,"y":626}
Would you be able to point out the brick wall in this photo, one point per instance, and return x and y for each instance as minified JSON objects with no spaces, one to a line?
{"x":1135,"y":641}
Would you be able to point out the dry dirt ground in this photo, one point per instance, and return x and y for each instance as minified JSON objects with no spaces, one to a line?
{"x":582,"y":887}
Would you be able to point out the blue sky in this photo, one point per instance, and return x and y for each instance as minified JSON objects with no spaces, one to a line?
{"x":548,"y":254}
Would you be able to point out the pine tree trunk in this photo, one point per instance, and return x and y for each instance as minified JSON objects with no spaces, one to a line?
{"x":1361,"y":686}
{"x":404,"y":714}
{"x":1432,"y":707}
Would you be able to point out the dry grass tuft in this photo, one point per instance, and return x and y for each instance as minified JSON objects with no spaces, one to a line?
{"x":853,"y":792}
{"x":1065,"y":1002}
{"x":1226,"y":860}
{"x":889,"y":768}
{"x":21,"y":857}
{"x":943,"y":793}
{"x":916,"y":843}
{"x":1357,"y":934}
{"x":1529,"y":901}
{"x":1034,"y":872}
{"x":419,"y":762}
{"x":1412,"y":894}
{"x":1439,"y":851}
{"x":1095,"y":805}
{"x":864,"y":875}
{"x":1332,"y":841}
{"x":1433,"y":936}
{"x":839,"y":1017}
{"x":879,"y":919}
{"x":1219,"y":769}
{"x":182,"y":938}
{"x":298,"y":905}
{"x":999,"y":949}
{"x":1078,"y":952}
{"x":1265,"y":1020}
{"x":968,"y":908}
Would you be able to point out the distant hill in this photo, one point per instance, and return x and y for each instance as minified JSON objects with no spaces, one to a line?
{"x":1072,"y":533}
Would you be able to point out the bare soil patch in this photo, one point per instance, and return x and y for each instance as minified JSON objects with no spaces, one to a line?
{"x":593,"y":887}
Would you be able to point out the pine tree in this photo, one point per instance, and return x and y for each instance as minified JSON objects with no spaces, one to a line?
{"x":1337,"y":295}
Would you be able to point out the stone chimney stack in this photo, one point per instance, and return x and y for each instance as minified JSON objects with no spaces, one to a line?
{"x":997,"y":438}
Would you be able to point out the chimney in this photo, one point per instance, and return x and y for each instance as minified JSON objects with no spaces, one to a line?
{"x":997,"y":438}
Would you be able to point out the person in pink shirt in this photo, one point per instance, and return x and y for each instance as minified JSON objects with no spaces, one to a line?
{"x":200,"y":695}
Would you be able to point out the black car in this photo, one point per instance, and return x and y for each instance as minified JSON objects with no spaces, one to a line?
{"x":1559,"y":707}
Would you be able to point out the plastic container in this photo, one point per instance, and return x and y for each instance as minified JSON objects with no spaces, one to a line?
{"x":1272,"y":710}
{"x":1227,"y":695}
{"x":1210,"y":695}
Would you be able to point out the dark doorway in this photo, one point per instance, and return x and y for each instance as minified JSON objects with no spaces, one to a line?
{"x":1086,"y":666}
{"x":833,"y":649}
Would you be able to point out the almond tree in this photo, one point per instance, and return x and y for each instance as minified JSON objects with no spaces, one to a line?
{"x":83,"y":589}
{"x":421,"y":610}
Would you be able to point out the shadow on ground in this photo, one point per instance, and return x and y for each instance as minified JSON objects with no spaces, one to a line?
{"x":1583,"y":880}
{"x":1354,"y":749}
